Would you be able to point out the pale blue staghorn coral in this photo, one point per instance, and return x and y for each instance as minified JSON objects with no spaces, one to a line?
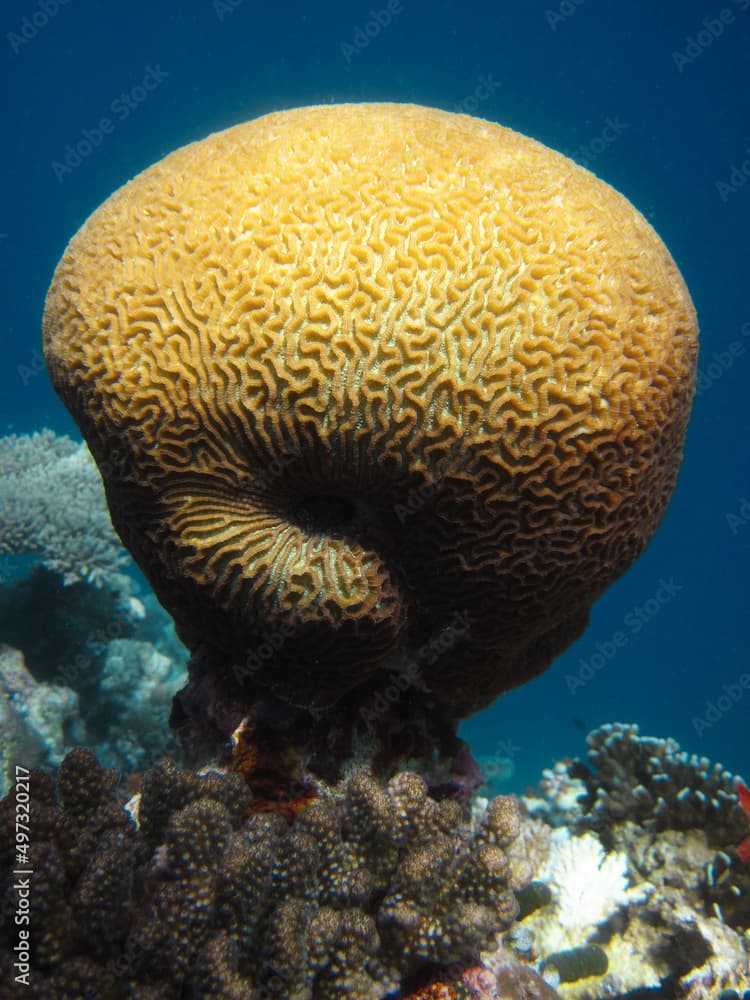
{"x":52,"y":506}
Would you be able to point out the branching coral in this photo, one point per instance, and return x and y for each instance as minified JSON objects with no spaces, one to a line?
{"x":373,"y":884}
{"x":54,"y":508}
{"x":653,"y":782}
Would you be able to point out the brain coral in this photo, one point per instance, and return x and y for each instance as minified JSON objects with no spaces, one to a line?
{"x":364,"y":367}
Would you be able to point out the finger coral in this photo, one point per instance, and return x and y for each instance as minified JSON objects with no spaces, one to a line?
{"x":363,"y":367}
{"x":653,"y":782}
{"x":372,"y":888}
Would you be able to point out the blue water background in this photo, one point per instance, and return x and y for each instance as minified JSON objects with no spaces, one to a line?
{"x":558,"y":72}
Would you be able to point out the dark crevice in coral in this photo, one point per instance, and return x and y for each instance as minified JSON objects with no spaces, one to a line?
{"x":325,"y":514}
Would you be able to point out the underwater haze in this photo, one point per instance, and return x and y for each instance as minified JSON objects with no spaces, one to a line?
{"x":653,"y":98}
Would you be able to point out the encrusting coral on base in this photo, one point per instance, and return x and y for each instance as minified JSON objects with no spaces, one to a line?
{"x":374,"y":888}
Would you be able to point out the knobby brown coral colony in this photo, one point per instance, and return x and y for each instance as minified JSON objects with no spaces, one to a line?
{"x":373,"y":885}
{"x":366,"y":368}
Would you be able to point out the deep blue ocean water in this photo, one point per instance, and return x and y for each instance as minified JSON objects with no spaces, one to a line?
{"x":655,"y":98}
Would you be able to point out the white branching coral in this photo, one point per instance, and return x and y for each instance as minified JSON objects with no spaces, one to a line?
{"x":587,"y":885}
{"x":53,"y":507}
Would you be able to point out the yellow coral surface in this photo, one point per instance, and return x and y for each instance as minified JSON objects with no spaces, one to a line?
{"x":349,"y":370}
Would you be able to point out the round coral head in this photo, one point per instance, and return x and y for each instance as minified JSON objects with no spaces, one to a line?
{"x":376,"y":388}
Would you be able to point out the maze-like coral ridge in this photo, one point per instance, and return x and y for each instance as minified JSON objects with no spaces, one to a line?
{"x":364,"y":365}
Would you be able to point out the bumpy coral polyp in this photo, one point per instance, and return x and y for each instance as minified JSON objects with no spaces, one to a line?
{"x":364,"y":367}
